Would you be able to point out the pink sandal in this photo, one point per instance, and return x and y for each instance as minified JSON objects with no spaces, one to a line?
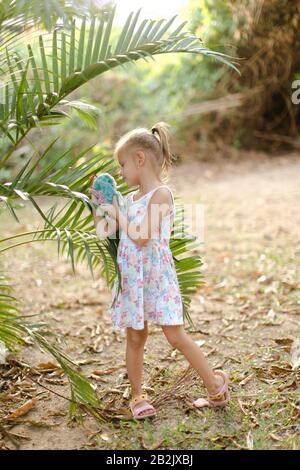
{"x":139,"y":404}
{"x":215,"y":400}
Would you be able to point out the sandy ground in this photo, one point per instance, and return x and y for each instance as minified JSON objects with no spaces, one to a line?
{"x":250,"y":245}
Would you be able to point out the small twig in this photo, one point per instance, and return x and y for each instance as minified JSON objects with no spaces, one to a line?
{"x":49,"y":390}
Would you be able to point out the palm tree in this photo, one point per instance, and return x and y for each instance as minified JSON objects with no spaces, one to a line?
{"x":43,"y":58}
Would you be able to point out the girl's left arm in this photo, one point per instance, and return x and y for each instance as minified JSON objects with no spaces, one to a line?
{"x":158,"y":207}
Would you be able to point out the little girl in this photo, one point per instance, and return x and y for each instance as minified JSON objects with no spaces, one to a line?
{"x":149,"y":287}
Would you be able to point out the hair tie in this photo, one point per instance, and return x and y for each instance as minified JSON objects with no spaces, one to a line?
{"x":153,"y":130}
{"x":157,"y":137}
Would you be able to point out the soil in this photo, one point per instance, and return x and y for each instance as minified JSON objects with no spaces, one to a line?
{"x":250,"y":246}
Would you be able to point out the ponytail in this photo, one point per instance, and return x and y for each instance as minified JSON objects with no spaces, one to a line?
{"x":160,"y":130}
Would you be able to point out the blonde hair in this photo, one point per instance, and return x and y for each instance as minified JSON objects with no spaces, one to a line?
{"x":154,"y":141}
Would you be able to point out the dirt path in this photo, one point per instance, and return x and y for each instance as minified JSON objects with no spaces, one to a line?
{"x":247,"y":316}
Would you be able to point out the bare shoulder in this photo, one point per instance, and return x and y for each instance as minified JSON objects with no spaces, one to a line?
{"x":162,"y":196}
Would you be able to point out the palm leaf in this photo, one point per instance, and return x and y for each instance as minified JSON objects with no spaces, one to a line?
{"x":51,"y":81}
{"x":187,"y":266}
{"x":17,"y":16}
{"x":10,"y":331}
{"x":74,"y":231}
{"x":84,"y":245}
{"x":13,"y":329}
{"x":68,"y":180}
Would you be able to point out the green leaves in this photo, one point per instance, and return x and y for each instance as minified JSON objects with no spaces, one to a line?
{"x":81,"y":389}
{"x":187,"y":267}
{"x":73,"y":230}
{"x":13,"y":329}
{"x":69,"y":179}
{"x":69,"y":225}
{"x":57,"y":63}
{"x":10,"y":330}
{"x":86,"y":111}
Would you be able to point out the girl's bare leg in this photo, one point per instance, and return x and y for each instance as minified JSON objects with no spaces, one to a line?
{"x":135,"y":343}
{"x":179,"y":339}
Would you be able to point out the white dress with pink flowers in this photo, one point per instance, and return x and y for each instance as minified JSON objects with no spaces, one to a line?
{"x":150,"y":289}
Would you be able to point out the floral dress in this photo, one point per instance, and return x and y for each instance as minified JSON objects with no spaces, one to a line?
{"x":149,"y":284}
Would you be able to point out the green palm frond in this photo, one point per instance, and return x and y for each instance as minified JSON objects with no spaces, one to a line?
{"x":68,"y":179}
{"x":76,"y":236}
{"x":87,"y":112}
{"x":17,"y":16}
{"x":79,"y":236}
{"x":13,"y":329}
{"x":34,"y":85}
{"x":10,"y":330}
{"x":74,"y":231}
{"x":189,"y":275}
{"x":88,"y":247}
{"x":82,"y":391}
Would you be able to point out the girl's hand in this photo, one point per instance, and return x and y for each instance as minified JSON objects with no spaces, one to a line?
{"x":111,"y":209}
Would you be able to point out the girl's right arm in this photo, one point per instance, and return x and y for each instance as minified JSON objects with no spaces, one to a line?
{"x":104,"y":228}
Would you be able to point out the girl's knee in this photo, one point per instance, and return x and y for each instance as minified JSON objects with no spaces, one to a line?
{"x":137,"y":338}
{"x":175,"y":336}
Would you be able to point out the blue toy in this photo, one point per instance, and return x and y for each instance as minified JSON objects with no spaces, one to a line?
{"x":104,"y":189}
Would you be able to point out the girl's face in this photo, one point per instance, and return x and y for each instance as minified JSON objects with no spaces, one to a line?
{"x":128,"y":168}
